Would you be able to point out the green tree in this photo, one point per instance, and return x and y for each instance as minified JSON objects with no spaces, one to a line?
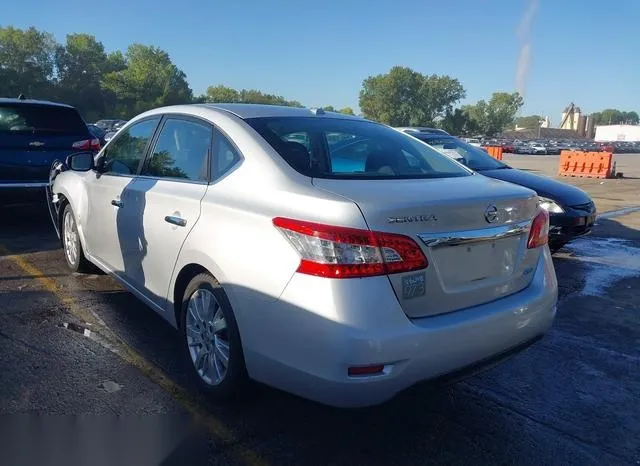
{"x":221,"y":94}
{"x":613,"y":116}
{"x":529,"y":122}
{"x":329,"y":108}
{"x":26,"y":62}
{"x":149,"y":79}
{"x":347,"y":111}
{"x":494,"y":116}
{"x":404,"y":97}
{"x":81,"y":63}
{"x":458,"y":122}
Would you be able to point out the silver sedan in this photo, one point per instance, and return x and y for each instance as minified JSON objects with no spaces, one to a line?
{"x":326,"y":255}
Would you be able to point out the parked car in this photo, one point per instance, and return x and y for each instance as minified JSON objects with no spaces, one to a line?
{"x":110,"y":125}
{"x":473,"y":141}
{"x":33,"y":133}
{"x":572,"y":212}
{"x":341,"y":282}
{"x":537,"y":148}
{"x":97,"y":132}
{"x":109,"y":136}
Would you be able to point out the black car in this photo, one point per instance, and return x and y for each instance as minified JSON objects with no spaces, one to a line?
{"x":34,"y":133}
{"x":571,"y":210}
{"x":97,"y":132}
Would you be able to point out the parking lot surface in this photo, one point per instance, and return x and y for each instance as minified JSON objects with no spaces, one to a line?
{"x":81,"y":345}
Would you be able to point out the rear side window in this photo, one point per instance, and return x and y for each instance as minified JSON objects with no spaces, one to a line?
{"x":41,"y":119}
{"x":356,"y":149}
{"x":181,"y":151}
{"x":224,"y":155}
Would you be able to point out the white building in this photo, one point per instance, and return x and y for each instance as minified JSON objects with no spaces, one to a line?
{"x":610,"y":133}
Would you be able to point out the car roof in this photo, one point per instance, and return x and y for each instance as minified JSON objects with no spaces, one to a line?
{"x":8,"y":100}
{"x":245,"y":111}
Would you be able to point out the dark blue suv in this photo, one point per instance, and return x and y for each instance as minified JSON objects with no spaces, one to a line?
{"x":34,"y":133}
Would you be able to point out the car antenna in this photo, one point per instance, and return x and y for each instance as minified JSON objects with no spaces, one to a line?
{"x":22,"y":97}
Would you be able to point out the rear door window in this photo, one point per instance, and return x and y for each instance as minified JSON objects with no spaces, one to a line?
{"x":41,"y":119}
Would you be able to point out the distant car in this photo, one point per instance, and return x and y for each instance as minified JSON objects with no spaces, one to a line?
{"x":473,"y":141}
{"x":106,"y":125}
{"x":97,"y":132}
{"x":536,"y":148}
{"x":34,"y":133}
{"x":119,"y":124}
{"x":109,"y":136}
{"x":342,"y":283}
{"x":572,"y":212}
{"x":421,"y":129}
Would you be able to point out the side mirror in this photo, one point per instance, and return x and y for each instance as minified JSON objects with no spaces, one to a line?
{"x":80,"y":161}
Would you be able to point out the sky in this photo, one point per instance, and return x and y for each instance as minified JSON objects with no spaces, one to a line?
{"x":319,"y":52}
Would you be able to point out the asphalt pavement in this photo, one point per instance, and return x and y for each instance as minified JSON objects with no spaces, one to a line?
{"x":85,"y":363}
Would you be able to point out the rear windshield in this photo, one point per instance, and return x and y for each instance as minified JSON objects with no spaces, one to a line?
{"x":24,"y":118}
{"x":472,"y":156}
{"x":339,"y":148}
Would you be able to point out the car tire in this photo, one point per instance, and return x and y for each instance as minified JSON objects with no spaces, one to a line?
{"x":210,"y":332}
{"x":71,"y":244}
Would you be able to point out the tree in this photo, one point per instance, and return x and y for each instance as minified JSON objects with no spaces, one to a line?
{"x":494,"y":116}
{"x":329,"y":108}
{"x":529,"y":122}
{"x":404,"y":97}
{"x":26,"y":62}
{"x":347,"y":111}
{"x":220,"y":93}
{"x":458,"y":122}
{"x":612,"y":116}
{"x":81,"y":63}
{"x":150,"y":79}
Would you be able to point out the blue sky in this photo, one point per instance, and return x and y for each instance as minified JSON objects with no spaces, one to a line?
{"x":319,"y":52}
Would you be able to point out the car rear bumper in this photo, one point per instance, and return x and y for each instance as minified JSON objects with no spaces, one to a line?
{"x":305,"y":342}
{"x":22,"y":193}
{"x":570,"y":225}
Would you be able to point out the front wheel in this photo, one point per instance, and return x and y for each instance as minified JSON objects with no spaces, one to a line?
{"x":73,"y":252}
{"x":211,"y":338}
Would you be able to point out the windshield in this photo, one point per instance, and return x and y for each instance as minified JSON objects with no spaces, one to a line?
{"x":472,"y":156}
{"x":21,"y":118}
{"x":357,"y":149}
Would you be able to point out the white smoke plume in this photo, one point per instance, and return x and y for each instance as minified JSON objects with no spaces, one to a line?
{"x":524,"y":34}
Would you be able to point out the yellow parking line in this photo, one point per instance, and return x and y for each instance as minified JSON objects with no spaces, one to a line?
{"x":115,"y":344}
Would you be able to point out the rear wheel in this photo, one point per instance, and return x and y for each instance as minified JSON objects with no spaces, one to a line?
{"x":73,"y":252}
{"x":211,"y":338}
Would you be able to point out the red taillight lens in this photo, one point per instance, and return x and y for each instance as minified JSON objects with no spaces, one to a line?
{"x":539,"y":234}
{"x":87,"y":144}
{"x":341,"y":252}
{"x":358,"y":371}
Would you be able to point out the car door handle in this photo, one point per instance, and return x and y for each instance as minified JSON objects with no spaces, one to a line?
{"x":175,"y":220}
{"x":117,"y":202}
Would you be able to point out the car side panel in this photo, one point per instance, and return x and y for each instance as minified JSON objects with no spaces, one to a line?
{"x":73,"y":187}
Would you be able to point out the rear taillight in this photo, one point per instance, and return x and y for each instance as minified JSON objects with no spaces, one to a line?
{"x":341,"y":252}
{"x":87,"y":144}
{"x":539,"y":234}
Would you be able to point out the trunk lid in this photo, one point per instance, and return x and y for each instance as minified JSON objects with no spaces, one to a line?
{"x":473,"y":231}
